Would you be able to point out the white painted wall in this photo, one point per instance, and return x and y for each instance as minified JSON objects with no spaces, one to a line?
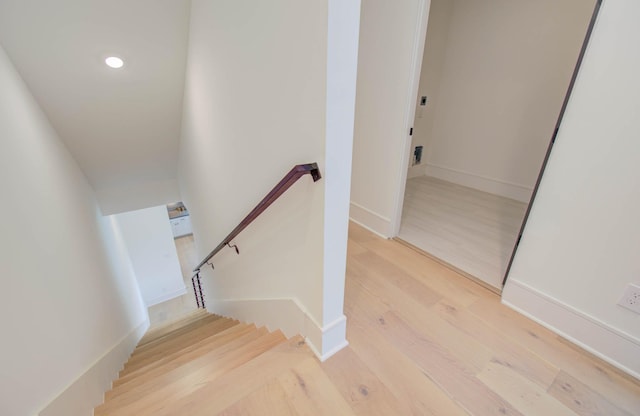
{"x":388,"y":40}
{"x":255,"y":105}
{"x":148,"y":237}
{"x":69,"y":299}
{"x":430,"y":78}
{"x":475,"y":84}
{"x":505,"y":73}
{"x":342,"y":67}
{"x":580,"y":246}
{"x":136,"y":195}
{"x":122,"y":127}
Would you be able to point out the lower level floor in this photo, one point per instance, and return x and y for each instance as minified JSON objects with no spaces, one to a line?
{"x":471,"y":230}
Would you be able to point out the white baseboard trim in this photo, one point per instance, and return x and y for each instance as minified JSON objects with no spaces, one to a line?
{"x":493,"y":186}
{"x":610,"y":344}
{"x":167,"y":296}
{"x":87,"y":391}
{"x":288,"y":316}
{"x":370,"y":220}
{"x":332,"y":337}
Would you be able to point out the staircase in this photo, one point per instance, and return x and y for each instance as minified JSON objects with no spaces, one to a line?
{"x":201,"y":364}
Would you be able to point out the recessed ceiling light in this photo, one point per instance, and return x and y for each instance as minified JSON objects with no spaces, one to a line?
{"x":114,"y":62}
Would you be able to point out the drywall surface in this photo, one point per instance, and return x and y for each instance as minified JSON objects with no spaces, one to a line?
{"x":505,"y":73}
{"x":580,"y":245}
{"x":387,"y":39}
{"x":69,"y":296}
{"x":430,"y":78}
{"x":121,"y":126}
{"x":137,"y":195}
{"x":255,"y":106}
{"x":343,"y":32}
{"x":148,"y":237}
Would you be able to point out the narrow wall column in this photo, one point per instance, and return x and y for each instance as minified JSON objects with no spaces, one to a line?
{"x":342,"y":63}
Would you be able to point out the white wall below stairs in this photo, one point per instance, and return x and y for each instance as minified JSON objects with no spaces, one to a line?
{"x":70,"y":307}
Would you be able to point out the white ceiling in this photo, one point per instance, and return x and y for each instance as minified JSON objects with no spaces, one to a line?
{"x":120,"y":125}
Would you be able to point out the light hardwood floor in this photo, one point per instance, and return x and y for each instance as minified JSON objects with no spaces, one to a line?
{"x":471,"y":230}
{"x":431,"y":342}
{"x":424,"y":340}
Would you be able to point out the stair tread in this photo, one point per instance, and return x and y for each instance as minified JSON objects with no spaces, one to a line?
{"x":176,"y":332}
{"x":240,"y":381}
{"x":155,"y":394}
{"x":181,"y":333}
{"x":176,"y":344}
{"x":197,"y":358}
{"x":158,"y":330}
{"x":198,"y":347}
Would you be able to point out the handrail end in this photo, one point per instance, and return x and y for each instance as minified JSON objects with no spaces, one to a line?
{"x":315,"y":172}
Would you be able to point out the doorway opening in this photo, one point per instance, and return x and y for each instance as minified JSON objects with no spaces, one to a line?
{"x":494,"y":77}
{"x":161,"y":248}
{"x":173,"y":309}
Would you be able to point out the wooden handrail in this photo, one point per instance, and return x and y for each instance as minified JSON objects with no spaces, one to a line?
{"x":289,"y":179}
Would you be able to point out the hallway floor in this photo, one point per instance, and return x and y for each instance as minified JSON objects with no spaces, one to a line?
{"x":471,"y":230}
{"x":423,"y":340}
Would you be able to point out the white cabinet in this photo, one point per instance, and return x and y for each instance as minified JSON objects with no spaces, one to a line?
{"x":181,"y":226}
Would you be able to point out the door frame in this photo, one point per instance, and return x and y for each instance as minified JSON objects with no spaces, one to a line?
{"x":422,"y":19}
{"x":417,"y":55}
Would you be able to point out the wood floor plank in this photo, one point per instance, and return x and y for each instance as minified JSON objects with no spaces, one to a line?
{"x":360,"y":387}
{"x":395,"y":277}
{"x":472,"y":230}
{"x":311,"y":392}
{"x":460,"y":384}
{"x":360,"y":235}
{"x":598,"y":375}
{"x":365,"y":304}
{"x":517,"y":357}
{"x":526,"y":396}
{"x":610,"y":382}
{"x":466,"y":350}
{"x":268,"y":400}
{"x":582,"y":399}
{"x":418,"y":394}
{"x":439,"y":278}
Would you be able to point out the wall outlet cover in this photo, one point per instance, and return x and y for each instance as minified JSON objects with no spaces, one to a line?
{"x":631,"y":298}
